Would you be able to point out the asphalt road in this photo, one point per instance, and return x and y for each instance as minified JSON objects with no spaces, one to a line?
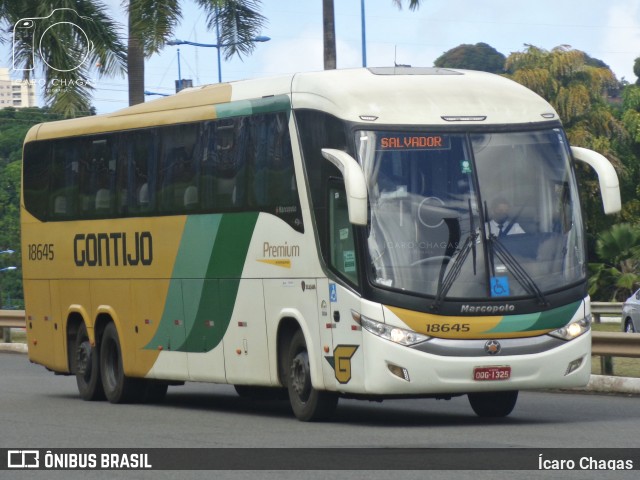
{"x":40,"y":410}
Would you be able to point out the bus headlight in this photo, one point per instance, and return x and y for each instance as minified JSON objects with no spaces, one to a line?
{"x":573,"y":329}
{"x":391,"y":333}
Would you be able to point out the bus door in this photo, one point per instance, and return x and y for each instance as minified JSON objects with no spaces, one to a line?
{"x":345,"y":357}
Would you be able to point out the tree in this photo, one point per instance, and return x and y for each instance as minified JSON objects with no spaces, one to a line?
{"x":472,"y":57}
{"x":329,"y":30}
{"x":619,"y":274}
{"x":329,"y":37}
{"x":56,"y":40}
{"x":151,"y":23}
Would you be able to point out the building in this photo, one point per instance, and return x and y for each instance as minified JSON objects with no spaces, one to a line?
{"x":16,"y":93}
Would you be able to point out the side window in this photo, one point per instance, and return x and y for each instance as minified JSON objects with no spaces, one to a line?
{"x":96,"y":176}
{"x":178,"y":175}
{"x":342,"y":247}
{"x":272,"y":186}
{"x":64,"y":181}
{"x":223,"y":166}
{"x":37,"y":172}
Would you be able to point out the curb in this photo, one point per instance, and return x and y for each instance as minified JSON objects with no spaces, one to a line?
{"x":608,"y":384}
{"x":13,"y":347}
{"x":597,"y":383}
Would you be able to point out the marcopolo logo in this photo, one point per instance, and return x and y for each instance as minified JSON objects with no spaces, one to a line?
{"x":490,"y":309}
{"x":34,"y":36}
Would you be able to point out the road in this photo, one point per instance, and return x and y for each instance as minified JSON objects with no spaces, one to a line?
{"x":40,"y":410}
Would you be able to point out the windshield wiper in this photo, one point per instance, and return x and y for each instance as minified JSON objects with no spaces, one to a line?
{"x":519,"y":273}
{"x":445,"y":284}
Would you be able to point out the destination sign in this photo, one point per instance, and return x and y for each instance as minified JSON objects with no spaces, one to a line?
{"x":413,"y":142}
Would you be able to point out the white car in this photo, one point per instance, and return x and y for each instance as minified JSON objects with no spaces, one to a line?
{"x":631,"y":313}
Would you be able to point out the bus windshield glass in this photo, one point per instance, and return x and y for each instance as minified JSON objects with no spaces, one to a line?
{"x":472,"y":215}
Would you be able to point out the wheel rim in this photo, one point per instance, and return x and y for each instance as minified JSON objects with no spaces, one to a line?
{"x":301,"y":376}
{"x":83,"y":360}
{"x":629,"y":328}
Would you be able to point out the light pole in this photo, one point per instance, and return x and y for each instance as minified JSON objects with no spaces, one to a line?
{"x":217,"y":46}
{"x":364,"y":34}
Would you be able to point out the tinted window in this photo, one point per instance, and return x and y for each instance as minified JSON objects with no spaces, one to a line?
{"x":233,"y":164}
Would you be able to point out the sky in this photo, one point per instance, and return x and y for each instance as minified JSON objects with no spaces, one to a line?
{"x":605,"y":29}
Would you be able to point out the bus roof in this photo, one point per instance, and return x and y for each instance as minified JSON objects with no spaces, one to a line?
{"x":386,"y":95}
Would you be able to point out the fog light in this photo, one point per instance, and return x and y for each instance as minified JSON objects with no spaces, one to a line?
{"x":574,"y":365}
{"x":399,"y":371}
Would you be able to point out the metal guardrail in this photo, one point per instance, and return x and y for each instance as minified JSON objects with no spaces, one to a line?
{"x":615,"y":344}
{"x":598,"y":309}
{"x":12,"y":319}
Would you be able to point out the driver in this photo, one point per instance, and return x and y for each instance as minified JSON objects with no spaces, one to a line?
{"x":501,"y":224}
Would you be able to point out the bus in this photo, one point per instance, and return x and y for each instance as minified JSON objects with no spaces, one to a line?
{"x":318,"y":235}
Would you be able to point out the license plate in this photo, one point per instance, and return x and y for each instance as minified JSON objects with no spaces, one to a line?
{"x":482,"y":374}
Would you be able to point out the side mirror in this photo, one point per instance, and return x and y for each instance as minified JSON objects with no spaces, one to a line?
{"x":354,"y":183}
{"x":609,"y":186}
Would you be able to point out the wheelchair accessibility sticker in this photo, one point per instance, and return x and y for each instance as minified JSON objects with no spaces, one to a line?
{"x":500,"y":287}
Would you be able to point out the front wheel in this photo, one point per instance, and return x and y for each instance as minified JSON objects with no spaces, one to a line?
{"x":307,"y":403}
{"x":493,"y":404}
{"x":118,"y":388}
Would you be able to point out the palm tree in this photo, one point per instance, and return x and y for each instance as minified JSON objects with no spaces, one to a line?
{"x":329,"y":30}
{"x":77,"y":37}
{"x":151,"y":23}
{"x":619,"y":274}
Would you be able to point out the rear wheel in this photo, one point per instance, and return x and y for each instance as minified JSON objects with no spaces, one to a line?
{"x":493,"y":404}
{"x":118,"y":388}
{"x":87,"y":367}
{"x":307,"y":403}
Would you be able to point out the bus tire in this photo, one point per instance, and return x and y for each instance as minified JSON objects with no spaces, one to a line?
{"x":493,"y":404}
{"x":86,"y":366}
{"x":307,"y":403}
{"x":118,"y":388}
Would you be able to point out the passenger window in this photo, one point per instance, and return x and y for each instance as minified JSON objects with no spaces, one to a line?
{"x":341,"y":236}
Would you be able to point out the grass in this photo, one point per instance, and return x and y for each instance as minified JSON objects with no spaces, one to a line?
{"x":622,"y":366}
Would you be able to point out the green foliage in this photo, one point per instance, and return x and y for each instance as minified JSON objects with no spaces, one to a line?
{"x":14,"y":125}
{"x":618,"y":275}
{"x":480,"y":56}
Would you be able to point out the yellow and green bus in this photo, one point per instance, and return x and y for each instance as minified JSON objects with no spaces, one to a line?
{"x":369,"y":233}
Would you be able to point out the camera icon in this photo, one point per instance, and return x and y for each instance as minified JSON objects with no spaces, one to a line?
{"x":36,"y":36}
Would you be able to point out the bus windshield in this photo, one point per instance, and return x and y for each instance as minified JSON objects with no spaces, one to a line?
{"x":472,"y":215}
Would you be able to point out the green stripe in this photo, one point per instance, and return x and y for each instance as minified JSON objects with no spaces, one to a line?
{"x":277,"y":103}
{"x":205,"y":282}
{"x":220,"y":289}
{"x":549,"y":320}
